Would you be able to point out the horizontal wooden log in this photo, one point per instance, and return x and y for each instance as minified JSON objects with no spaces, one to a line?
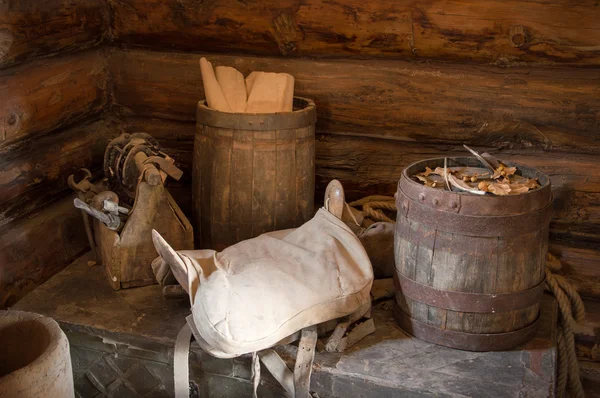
{"x":494,"y":31}
{"x":40,"y":28}
{"x":34,"y":172}
{"x":587,"y":335}
{"x":48,"y":94}
{"x":373,"y":166}
{"x":513,"y":108}
{"x":35,"y":248}
{"x":581,"y":266}
{"x":368,"y":166}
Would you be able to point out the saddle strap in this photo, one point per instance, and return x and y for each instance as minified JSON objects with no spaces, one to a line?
{"x":278,"y":369}
{"x":304,"y":361}
{"x":296,"y":384}
{"x":181,"y":368}
{"x":255,"y":374}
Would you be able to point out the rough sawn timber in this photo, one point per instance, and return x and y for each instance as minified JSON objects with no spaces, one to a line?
{"x":30,"y":28}
{"x":542,"y":109}
{"x":494,"y":31}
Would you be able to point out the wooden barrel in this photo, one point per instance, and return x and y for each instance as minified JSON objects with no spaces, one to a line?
{"x":253,"y":173}
{"x":470,"y":269}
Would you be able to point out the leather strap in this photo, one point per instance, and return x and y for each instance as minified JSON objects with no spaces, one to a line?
{"x":304,"y":361}
{"x":255,"y":374}
{"x":181,"y":368}
{"x":278,"y":369}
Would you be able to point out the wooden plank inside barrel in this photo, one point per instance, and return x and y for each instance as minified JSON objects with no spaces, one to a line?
{"x":253,"y":173}
{"x":470,"y":268}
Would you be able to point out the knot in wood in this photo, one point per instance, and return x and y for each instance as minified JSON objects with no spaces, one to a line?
{"x":9,"y":125}
{"x":517,"y":35}
{"x":12,"y":119}
{"x":285,"y":33}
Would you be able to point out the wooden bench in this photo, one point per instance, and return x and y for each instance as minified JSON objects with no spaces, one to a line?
{"x":122,"y":345}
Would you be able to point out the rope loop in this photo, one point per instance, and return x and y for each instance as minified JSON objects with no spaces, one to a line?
{"x":370,"y":204}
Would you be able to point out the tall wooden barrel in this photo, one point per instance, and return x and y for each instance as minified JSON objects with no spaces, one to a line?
{"x":470,"y":269}
{"x":253,"y":173}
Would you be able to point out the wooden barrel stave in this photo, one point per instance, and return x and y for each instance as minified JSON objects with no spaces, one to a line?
{"x":305,"y":174}
{"x":251,"y":180}
{"x":450,"y":261}
{"x":439,"y":270}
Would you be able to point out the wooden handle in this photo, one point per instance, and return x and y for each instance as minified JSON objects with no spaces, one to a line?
{"x":148,"y":170}
{"x":334,"y":198}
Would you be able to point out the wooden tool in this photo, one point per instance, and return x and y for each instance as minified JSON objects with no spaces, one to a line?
{"x":124,"y":218}
{"x":84,"y":189}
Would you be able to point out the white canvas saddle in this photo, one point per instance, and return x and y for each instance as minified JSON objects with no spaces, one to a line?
{"x":271,"y":290}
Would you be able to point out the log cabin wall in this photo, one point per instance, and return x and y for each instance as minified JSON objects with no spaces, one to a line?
{"x":394,"y":82}
{"x":54,"y":91}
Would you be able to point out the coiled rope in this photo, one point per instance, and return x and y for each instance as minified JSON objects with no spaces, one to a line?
{"x":571,"y":309}
{"x":369,"y":205}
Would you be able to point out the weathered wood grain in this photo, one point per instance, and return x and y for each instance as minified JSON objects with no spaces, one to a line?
{"x":543,"y":109}
{"x":252,"y":179}
{"x":446,"y":257}
{"x":30,"y":28}
{"x":34,"y":248}
{"x":587,"y":334}
{"x":581,"y":265}
{"x":496,"y":31}
{"x":48,"y":94}
{"x":368,"y":166}
{"x":372,"y":166}
{"x":34,"y":172}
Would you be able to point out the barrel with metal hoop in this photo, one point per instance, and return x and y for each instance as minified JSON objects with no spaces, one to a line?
{"x":253,"y":173}
{"x":469,"y":268}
